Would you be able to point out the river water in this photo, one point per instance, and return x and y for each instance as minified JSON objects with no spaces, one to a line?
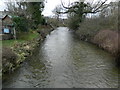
{"x":62,"y":61}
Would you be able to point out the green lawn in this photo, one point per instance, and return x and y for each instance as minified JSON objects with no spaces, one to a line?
{"x":28,"y":36}
{"x":22,"y":38}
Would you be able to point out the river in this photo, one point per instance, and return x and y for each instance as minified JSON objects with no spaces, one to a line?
{"x":62,"y":61}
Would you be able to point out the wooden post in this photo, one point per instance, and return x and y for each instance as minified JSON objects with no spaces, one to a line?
{"x":14,"y":33}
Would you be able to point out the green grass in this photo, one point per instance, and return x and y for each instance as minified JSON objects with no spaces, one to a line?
{"x":27,"y":36}
{"x":22,"y":38}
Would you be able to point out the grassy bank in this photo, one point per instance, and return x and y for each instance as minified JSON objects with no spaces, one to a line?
{"x":16,"y":51}
{"x":22,"y":37}
{"x":13,"y":51}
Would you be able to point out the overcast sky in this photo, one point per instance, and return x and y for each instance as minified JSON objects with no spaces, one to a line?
{"x":49,"y":5}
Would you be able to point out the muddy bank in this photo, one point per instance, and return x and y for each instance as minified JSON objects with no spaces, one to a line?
{"x":14,"y":56}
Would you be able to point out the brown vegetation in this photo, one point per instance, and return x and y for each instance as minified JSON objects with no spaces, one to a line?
{"x":103,"y":29}
{"x":108,"y":40}
{"x":91,"y":26}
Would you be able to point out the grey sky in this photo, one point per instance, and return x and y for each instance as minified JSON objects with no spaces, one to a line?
{"x":49,"y":5}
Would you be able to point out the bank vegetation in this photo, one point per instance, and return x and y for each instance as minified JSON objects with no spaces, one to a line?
{"x":103,"y":29}
{"x":31,"y":29}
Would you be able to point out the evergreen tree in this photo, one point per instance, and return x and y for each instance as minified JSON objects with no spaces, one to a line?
{"x":35,"y":9}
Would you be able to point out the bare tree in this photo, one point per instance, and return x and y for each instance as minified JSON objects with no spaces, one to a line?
{"x":17,"y":8}
{"x":57,"y":9}
{"x":85,"y":6}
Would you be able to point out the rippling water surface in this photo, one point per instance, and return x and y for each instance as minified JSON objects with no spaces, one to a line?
{"x":62,"y":61}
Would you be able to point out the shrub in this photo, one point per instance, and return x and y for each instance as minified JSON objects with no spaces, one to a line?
{"x":8,"y":59}
{"x":108,"y":40}
{"x":73,"y":22}
{"x":91,"y":26}
{"x":20,"y":24}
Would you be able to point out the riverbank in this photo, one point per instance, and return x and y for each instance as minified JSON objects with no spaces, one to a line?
{"x":13,"y":56}
{"x":104,"y":39}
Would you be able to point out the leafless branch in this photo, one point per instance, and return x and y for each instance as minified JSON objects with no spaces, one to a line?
{"x":100,"y":10}
{"x":65,"y":6}
{"x":96,"y":5}
{"x":100,"y":6}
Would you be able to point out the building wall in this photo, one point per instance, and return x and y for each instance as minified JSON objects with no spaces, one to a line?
{"x":6,"y":22}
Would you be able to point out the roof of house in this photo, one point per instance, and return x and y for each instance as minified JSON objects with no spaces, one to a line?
{"x":6,"y":16}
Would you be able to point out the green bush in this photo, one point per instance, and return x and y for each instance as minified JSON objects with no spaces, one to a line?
{"x":20,"y":24}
